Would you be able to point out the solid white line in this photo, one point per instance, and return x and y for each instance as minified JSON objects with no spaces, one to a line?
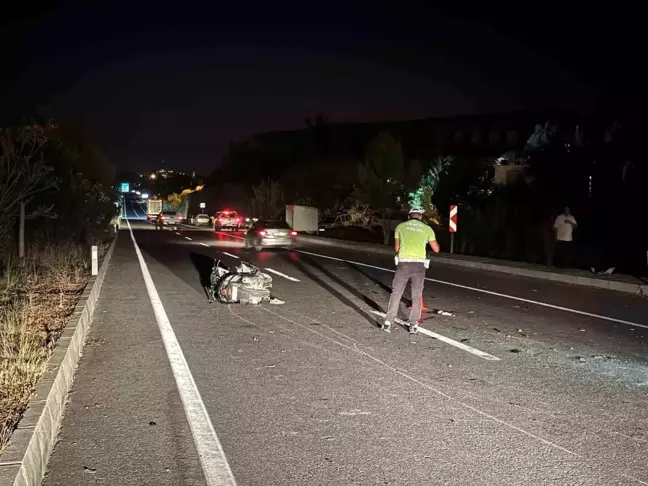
{"x":282,"y":274}
{"x":187,"y":238}
{"x":230,"y":255}
{"x":210,"y":451}
{"x":447,"y":340}
{"x":490,"y":292}
{"x":204,"y":244}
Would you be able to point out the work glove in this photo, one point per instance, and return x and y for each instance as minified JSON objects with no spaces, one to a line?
{"x":396,"y":260}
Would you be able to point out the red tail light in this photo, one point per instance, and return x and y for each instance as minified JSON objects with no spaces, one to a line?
{"x":262,"y":233}
{"x":293,"y":233}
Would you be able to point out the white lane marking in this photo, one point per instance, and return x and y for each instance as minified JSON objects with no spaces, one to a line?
{"x":230,"y":255}
{"x":355,"y":349}
{"x":497,"y":294}
{"x":179,"y":234}
{"x":282,"y":274}
{"x":204,"y":244}
{"x":210,"y":451}
{"x":447,"y":340}
{"x":230,"y":235}
{"x":187,"y":238}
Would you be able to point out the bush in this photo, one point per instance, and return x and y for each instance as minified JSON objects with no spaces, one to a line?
{"x":37,"y":297}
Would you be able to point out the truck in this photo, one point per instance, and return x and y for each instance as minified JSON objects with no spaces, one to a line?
{"x":182,"y":210}
{"x":153,"y":208}
{"x":302,"y":218}
{"x":156,"y":206}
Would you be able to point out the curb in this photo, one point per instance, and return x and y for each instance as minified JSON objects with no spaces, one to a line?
{"x":630,"y":288}
{"x":24,"y":462}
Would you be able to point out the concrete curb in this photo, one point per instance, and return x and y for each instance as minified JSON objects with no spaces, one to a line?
{"x":466,"y":262}
{"x":24,"y":462}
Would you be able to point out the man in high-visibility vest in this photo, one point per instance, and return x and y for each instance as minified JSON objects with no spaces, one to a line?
{"x":411,"y":241}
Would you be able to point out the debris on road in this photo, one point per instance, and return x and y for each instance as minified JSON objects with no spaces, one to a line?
{"x":244,"y":284}
{"x":444,"y":313}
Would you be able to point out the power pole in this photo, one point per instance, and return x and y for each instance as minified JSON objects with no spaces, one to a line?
{"x":21,"y":232}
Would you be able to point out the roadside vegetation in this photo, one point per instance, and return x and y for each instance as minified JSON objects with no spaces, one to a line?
{"x":65,"y":187}
{"x":508,"y":194}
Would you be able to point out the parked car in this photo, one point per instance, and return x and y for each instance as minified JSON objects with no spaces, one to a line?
{"x":326,"y":223}
{"x":168,"y":218}
{"x":227,"y":220}
{"x":274,"y":234}
{"x":201,"y":220}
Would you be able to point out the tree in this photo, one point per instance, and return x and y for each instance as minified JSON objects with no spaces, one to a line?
{"x":267,"y":200}
{"x":423,"y":195}
{"x":175,"y":200}
{"x":23,"y":172}
{"x":384,"y":179}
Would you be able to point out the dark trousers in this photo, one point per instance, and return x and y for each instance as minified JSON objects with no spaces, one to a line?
{"x":563,"y":257}
{"x":405,"y":272}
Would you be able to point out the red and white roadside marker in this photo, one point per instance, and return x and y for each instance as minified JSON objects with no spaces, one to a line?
{"x":453,"y":225}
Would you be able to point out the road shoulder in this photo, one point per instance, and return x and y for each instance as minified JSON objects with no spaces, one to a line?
{"x":124,"y":423}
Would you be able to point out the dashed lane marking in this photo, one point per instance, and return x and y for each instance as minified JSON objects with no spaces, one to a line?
{"x":446,"y":340}
{"x":282,"y":275}
{"x":490,"y":292}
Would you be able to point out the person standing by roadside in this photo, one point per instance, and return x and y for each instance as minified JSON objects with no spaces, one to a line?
{"x":116,"y":221}
{"x":564,"y":230}
{"x":411,"y":241}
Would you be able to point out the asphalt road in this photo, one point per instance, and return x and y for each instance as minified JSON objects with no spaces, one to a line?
{"x":521,"y":385}
{"x":134,"y":210}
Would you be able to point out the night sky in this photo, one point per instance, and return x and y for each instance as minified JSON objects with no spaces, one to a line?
{"x":179,"y":84}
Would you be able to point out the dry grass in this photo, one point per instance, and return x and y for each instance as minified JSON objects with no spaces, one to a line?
{"x":37,"y":297}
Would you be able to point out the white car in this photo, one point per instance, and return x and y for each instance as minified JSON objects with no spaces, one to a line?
{"x":201,"y":220}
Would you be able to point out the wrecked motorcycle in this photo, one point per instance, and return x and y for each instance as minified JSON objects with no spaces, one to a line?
{"x":244,"y":284}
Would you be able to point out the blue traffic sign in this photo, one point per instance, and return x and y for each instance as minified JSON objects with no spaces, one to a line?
{"x":125,"y":187}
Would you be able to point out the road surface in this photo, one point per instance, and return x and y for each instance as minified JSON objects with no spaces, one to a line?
{"x":519,"y":381}
{"x":134,"y":209}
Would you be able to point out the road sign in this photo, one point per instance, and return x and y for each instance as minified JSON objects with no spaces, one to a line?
{"x":125,"y":187}
{"x":202,"y":205}
{"x":453,"y":218}
{"x":453,"y":225}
